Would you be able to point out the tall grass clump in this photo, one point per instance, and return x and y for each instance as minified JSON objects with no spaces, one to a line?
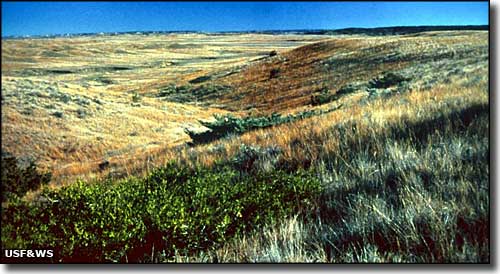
{"x":405,"y":180}
{"x":414,"y":191}
{"x":423,"y":197}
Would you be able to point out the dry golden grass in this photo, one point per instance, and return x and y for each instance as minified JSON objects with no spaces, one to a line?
{"x":433,"y":210}
{"x":404,"y":193}
{"x":136,"y":136}
{"x":402,"y":169}
{"x":105,"y":72}
{"x":339,"y":61}
{"x":308,"y":140}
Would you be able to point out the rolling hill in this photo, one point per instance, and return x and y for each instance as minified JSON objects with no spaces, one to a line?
{"x":251,"y":147}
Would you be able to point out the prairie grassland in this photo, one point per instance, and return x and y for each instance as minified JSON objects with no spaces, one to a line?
{"x":405,"y":179}
{"x":311,"y":141}
{"x":428,"y":58}
{"x":82,"y":108}
{"x":74,"y":103}
{"x":397,"y":172}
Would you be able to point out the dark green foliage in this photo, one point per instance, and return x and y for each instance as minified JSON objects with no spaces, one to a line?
{"x":351,"y":87}
{"x":227,"y":125}
{"x":222,"y":127}
{"x":346,"y":89}
{"x":60,"y":71}
{"x":389,"y":79}
{"x":101,"y":79}
{"x":174,"y":209}
{"x":81,"y":113}
{"x":18,"y":179}
{"x":172,"y":89}
{"x":136,"y":97}
{"x":200,"y":79}
{"x":104,"y":80}
{"x":322,"y":98}
{"x":58,"y":114}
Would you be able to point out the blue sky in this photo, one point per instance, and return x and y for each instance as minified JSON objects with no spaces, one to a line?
{"x":40,"y":18}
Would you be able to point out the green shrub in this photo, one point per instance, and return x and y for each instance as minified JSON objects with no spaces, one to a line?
{"x":226,"y":125}
{"x":200,"y":79}
{"x":17,"y":180}
{"x":58,"y":114}
{"x":324,"y":95}
{"x":104,"y":80}
{"x":388,"y":79}
{"x":322,"y":98}
{"x":210,"y":90}
{"x":81,"y":113}
{"x":136,"y":97}
{"x":174,"y":209}
{"x":173,"y":89}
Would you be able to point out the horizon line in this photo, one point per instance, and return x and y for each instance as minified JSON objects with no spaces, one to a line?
{"x":69,"y":34}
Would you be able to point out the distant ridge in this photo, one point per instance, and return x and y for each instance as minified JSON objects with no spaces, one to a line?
{"x":394,"y":30}
{"x":400,"y":30}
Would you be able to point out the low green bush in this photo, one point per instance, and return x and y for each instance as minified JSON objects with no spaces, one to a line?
{"x":174,"y":209}
{"x":322,"y":98}
{"x":225,"y":125}
{"x":136,"y":97}
{"x":18,"y":179}
{"x":210,"y":90}
{"x":173,"y":89}
{"x":200,"y":79}
{"x":387,"y":80}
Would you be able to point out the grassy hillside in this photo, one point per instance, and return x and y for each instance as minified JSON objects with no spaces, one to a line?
{"x":287,"y":81}
{"x":347,"y":149}
{"x":403,"y":180}
{"x":98,"y":99}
